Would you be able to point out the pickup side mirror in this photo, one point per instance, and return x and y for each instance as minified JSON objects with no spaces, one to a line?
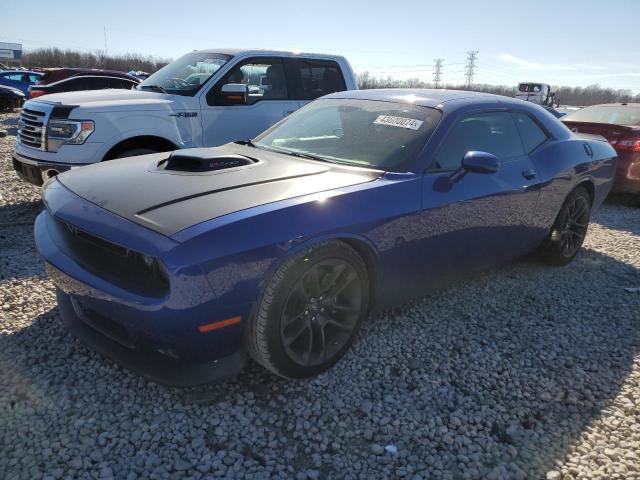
{"x":476,"y":162}
{"x":234,"y":94}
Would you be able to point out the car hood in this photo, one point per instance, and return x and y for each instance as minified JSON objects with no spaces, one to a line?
{"x":114,"y":99}
{"x":142,"y":189}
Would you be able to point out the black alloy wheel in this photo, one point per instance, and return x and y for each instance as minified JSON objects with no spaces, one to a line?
{"x":569,"y":229}
{"x":310,"y":311}
{"x":321,"y":312}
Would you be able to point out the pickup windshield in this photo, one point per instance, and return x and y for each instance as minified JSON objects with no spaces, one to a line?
{"x":367,"y":133}
{"x":186,"y":75}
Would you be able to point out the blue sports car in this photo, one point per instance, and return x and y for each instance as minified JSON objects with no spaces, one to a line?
{"x":179,"y":264}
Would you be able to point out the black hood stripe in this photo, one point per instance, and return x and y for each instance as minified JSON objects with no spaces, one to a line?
{"x":218,"y":190}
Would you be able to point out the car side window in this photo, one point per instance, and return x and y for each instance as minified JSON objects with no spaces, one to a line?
{"x":120,"y":83}
{"x":492,"y":132}
{"x":14,"y":76}
{"x":34,"y":78}
{"x":317,"y":78}
{"x":97,"y":83}
{"x":532,"y":135}
{"x":73,"y":85}
{"x":266,"y":79}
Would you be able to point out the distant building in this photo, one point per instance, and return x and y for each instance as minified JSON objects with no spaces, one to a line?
{"x":11,"y":54}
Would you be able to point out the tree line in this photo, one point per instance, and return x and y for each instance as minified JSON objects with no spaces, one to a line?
{"x":565,"y":95}
{"x":56,"y":57}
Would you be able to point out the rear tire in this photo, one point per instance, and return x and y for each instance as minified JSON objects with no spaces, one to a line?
{"x":569,"y":229}
{"x":310,"y":311}
{"x":134,"y":152}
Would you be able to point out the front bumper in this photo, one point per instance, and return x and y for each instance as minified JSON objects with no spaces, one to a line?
{"x":102,"y":336}
{"x":156,"y":335}
{"x":36,"y":171}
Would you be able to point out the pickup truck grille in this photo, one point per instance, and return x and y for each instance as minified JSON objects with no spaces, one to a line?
{"x":32,"y":129}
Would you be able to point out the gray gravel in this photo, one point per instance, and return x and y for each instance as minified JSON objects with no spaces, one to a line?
{"x":529,"y":372}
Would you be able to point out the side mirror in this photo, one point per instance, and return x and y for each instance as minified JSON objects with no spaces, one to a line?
{"x":476,"y":162}
{"x":234,"y":93}
{"x":480,"y":162}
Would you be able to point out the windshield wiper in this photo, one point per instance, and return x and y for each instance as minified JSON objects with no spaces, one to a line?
{"x":248,"y":143}
{"x":153,"y":87}
{"x":286,"y":151}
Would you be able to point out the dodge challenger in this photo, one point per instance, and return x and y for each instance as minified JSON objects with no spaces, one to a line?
{"x":182,"y":265}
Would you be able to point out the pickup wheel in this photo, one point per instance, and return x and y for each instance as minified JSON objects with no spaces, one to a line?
{"x":134,"y":152}
{"x":310,"y":311}
{"x":569,"y":229}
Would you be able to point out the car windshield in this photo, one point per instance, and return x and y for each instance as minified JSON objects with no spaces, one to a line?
{"x":530,"y":87}
{"x":367,"y":133}
{"x":186,"y":75}
{"x":612,"y":114}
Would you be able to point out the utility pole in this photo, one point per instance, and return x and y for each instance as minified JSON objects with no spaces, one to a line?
{"x":437,"y":72}
{"x":105,"y":46}
{"x":470,"y":68}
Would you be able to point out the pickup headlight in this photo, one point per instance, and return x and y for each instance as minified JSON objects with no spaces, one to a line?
{"x":69,"y":132}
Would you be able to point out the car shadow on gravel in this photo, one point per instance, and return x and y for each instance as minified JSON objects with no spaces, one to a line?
{"x":505,"y":371}
{"x":23,"y":212}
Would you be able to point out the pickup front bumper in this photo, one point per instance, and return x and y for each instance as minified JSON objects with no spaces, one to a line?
{"x":38,"y":171}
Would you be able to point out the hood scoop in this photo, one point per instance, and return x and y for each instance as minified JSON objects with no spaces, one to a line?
{"x":197,"y":160}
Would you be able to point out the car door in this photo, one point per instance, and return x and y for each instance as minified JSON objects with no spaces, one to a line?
{"x":271,"y":97}
{"x":475,"y":220}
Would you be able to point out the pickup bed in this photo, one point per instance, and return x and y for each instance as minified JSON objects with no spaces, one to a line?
{"x":204,"y":98}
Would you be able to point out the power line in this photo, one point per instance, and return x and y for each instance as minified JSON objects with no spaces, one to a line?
{"x":437,"y":72}
{"x":470,"y":70}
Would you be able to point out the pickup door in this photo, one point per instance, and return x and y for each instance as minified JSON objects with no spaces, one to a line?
{"x":278,"y":86}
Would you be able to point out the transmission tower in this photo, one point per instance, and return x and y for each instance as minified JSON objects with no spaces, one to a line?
{"x":470,"y":68}
{"x":437,"y":72}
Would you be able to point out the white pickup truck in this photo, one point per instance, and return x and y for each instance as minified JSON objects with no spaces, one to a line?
{"x":205,"y":98}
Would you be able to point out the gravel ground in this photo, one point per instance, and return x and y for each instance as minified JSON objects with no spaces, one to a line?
{"x":529,"y":372}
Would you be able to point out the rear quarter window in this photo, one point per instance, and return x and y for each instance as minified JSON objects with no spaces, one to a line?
{"x":317,"y":78}
{"x":532,"y":134}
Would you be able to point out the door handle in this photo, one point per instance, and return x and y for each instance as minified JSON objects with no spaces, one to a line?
{"x":529,"y":174}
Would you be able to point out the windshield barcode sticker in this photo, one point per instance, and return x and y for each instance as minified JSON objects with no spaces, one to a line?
{"x":402,"y":122}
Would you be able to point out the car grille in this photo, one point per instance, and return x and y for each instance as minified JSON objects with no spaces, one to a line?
{"x":109,"y":261}
{"x":32,"y":128}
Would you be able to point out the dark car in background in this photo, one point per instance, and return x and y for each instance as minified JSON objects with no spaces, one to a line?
{"x":10,"y":98}
{"x":58,"y":80}
{"x":20,"y":79}
{"x":619,"y":123}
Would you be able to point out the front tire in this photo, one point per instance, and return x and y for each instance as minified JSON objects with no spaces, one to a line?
{"x":569,"y":229}
{"x":310,"y":311}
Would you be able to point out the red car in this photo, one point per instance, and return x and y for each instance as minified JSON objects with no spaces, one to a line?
{"x":620,"y":124}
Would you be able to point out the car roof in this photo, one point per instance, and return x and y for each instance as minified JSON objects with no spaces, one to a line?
{"x":264,"y":52}
{"x":22,"y":71}
{"x":53,"y":75}
{"x":426,"y":97}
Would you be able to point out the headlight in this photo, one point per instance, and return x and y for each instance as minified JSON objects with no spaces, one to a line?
{"x":69,"y":132}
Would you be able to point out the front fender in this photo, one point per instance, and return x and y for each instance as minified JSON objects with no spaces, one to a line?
{"x":184,"y":132}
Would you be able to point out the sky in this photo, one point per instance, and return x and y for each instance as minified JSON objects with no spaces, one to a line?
{"x":560,"y":42}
